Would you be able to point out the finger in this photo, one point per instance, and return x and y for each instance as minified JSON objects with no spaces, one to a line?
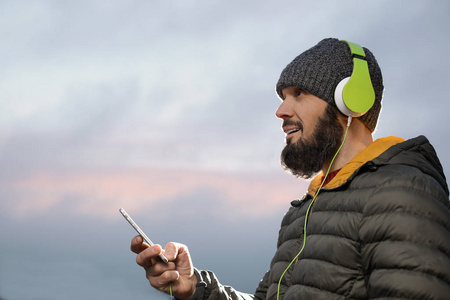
{"x":148,"y":256}
{"x":138,"y":245}
{"x":171,"y":251}
{"x":158,"y":267}
{"x":163,"y":281}
{"x":179,"y":253}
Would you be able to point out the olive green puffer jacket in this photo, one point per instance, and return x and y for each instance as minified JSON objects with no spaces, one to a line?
{"x":379,"y":230}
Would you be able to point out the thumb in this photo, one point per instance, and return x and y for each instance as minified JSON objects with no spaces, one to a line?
{"x":179,"y":253}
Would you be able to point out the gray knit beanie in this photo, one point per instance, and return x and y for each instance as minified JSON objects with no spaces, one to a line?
{"x":320,"y":69}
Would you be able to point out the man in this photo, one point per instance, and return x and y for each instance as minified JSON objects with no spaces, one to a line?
{"x":375,"y":221}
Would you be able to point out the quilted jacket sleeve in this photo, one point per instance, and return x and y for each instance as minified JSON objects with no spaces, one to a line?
{"x":209,"y":288}
{"x":405,"y":237}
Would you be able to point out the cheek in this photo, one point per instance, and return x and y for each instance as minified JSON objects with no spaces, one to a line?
{"x":309,"y":127}
{"x":310,"y":116}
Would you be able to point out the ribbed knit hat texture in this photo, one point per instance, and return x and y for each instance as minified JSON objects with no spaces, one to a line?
{"x":320,"y":69}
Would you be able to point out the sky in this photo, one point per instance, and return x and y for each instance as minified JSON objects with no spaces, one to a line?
{"x":167,"y":109}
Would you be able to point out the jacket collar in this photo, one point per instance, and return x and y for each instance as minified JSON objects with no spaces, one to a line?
{"x":372,"y":151}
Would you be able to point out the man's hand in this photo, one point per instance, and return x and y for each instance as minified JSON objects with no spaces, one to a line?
{"x":178,"y":273}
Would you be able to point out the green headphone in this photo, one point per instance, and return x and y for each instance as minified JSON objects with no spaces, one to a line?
{"x":355,"y":95}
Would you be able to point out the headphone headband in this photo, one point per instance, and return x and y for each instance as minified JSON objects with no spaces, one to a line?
{"x":356,"y":49}
{"x":355,"y":95}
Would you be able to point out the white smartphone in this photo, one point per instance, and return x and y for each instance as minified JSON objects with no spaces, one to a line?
{"x":139,"y":230}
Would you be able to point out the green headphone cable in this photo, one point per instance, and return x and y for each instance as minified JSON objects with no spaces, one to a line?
{"x":310,"y":206}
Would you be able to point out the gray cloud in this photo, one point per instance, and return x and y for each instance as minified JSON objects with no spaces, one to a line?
{"x":183,"y":85}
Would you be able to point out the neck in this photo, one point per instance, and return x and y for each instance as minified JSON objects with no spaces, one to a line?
{"x":358,"y":139}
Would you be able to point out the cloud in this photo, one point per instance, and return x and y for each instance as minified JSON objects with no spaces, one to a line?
{"x":167,"y":109}
{"x":104,"y":192}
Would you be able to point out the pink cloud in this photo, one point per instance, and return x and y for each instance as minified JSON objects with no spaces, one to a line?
{"x":103,"y":192}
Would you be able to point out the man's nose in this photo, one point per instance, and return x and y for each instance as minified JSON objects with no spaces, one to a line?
{"x":284,"y":110}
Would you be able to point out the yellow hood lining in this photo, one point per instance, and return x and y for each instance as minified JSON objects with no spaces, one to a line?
{"x":373,"y":150}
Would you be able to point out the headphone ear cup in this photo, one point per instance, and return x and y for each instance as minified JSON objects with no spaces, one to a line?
{"x":339,"y":99}
{"x":351,"y":104}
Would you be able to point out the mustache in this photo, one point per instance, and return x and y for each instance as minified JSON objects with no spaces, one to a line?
{"x":289,"y":122}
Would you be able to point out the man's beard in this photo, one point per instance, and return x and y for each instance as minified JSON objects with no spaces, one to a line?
{"x":306,"y":157}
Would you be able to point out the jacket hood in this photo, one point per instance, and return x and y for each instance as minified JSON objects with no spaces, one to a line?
{"x":416,"y":152}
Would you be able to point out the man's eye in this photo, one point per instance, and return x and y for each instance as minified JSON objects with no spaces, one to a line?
{"x":298,"y":92}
